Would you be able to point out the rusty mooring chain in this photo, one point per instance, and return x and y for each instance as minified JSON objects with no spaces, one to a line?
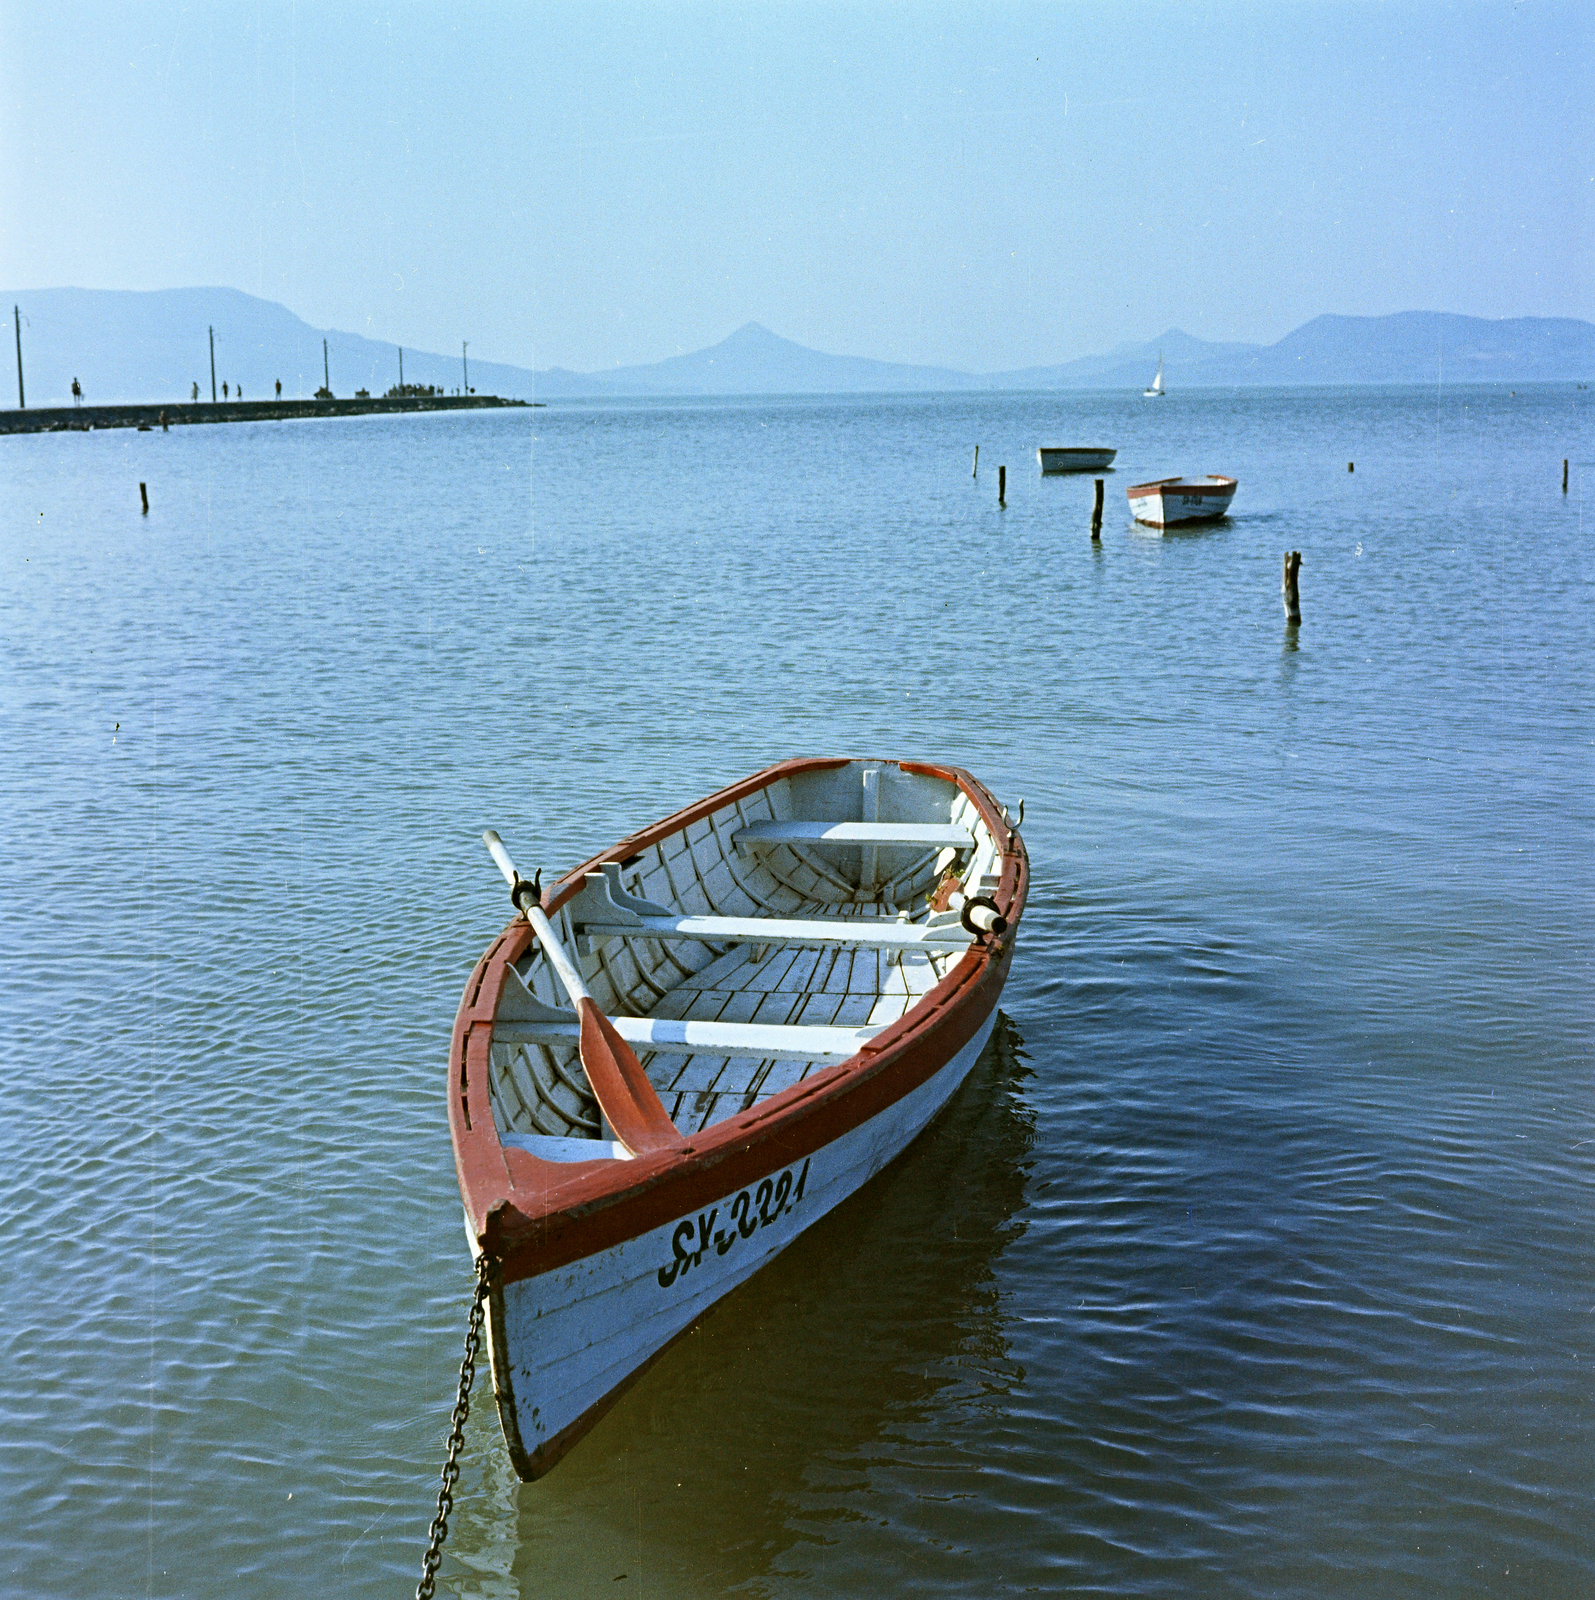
{"x":439,"y":1531}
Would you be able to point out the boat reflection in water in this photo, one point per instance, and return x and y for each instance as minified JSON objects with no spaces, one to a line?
{"x":856,"y":1349}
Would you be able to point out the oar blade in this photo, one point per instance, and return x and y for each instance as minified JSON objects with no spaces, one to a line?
{"x":629,"y":1101}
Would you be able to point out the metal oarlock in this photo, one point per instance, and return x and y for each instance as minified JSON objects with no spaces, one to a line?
{"x":523,"y":893}
{"x":982,"y":915}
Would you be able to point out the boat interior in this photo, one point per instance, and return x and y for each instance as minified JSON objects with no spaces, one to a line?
{"x":761,"y":943}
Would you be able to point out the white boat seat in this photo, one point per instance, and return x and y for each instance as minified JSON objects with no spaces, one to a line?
{"x":926,"y":835}
{"x":552,"y":1148}
{"x":767,"y":1041}
{"x":603,"y":909}
{"x":871,"y":932}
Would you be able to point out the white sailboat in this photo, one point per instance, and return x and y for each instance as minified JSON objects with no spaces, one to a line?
{"x":1157,"y":382}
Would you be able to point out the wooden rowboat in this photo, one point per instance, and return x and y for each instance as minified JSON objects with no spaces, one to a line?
{"x":1171,"y":501}
{"x":1074,"y":458}
{"x":770,"y":994}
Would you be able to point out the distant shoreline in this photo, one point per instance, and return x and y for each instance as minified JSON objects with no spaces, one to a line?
{"x":83,"y":419}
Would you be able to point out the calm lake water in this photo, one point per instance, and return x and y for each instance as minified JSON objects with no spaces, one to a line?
{"x":1256,"y":1257}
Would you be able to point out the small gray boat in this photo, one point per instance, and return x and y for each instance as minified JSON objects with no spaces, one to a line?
{"x":1074,"y":458}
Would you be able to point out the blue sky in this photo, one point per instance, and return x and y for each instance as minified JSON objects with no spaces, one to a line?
{"x":978,"y":186}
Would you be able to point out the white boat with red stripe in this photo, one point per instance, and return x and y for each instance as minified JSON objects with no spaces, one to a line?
{"x":1169,"y":502}
{"x":690,"y":1048}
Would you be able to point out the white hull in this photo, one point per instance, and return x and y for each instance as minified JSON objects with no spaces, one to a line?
{"x":571,"y":1338}
{"x":1166,"y":511}
{"x":1174,"y":501}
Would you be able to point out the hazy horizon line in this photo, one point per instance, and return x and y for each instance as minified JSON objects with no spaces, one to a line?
{"x":680,"y":351}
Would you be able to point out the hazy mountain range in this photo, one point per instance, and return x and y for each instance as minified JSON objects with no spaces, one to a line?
{"x":126,"y":345}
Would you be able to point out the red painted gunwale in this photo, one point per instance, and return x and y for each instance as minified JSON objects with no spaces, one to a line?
{"x":535,"y":1215}
{"x":1166,"y":486}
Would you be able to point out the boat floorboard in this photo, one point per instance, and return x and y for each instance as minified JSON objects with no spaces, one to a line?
{"x":795,"y":987}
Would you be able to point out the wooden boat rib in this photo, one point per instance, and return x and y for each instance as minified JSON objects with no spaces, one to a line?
{"x":783,"y":984}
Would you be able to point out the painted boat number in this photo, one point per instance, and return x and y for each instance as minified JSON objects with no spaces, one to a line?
{"x":771,"y":1200}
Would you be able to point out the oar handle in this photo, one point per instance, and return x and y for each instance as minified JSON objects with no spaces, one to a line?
{"x":520,"y":890}
{"x":495,"y":848}
{"x":978,"y":913}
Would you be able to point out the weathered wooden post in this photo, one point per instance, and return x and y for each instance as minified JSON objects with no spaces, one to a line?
{"x":165,"y":425}
{"x":1564,"y":474}
{"x":1288,"y":584}
{"x":1351,"y":466}
{"x":976,"y":472}
{"x":144,"y":495}
{"x":1002,"y":486}
{"x":1096,"y":512}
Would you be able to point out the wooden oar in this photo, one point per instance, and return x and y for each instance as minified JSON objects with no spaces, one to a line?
{"x":619,"y":1084}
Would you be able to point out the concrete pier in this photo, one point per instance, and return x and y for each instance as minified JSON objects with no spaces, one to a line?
{"x":80,"y":419}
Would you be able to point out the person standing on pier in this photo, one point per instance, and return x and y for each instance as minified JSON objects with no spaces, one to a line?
{"x":196,"y":394}
{"x":279,"y":388}
{"x":224,"y":391}
{"x":77,"y":393}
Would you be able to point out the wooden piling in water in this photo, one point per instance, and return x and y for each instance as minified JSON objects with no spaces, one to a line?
{"x":144,"y":495}
{"x":1002,"y":486}
{"x":1564,"y":474}
{"x":1096,"y":512}
{"x":1351,"y":466}
{"x":1288,"y":585}
{"x":975,"y":473}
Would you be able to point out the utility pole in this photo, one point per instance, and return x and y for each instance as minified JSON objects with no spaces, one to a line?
{"x":401,"y":369}
{"x":22,"y":399}
{"x":463,"y":368}
{"x":212,"y":366}
{"x":326,"y":376}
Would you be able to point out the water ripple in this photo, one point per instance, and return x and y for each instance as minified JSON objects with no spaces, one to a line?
{"x":1258,"y":1265}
